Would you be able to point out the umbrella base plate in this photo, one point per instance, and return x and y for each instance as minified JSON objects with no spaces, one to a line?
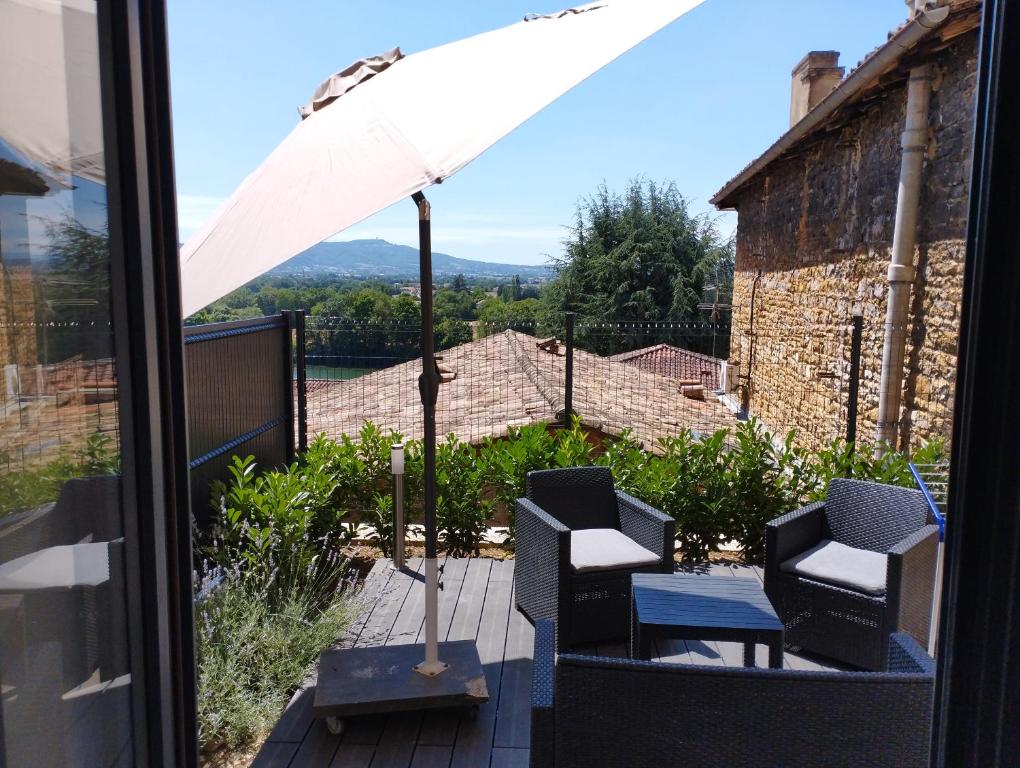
{"x":365,"y":681}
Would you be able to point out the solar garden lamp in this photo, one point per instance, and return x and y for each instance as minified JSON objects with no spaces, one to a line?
{"x":397,"y":468}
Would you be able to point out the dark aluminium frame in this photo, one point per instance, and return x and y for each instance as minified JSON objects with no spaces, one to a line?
{"x":149,"y":348}
{"x":977,"y":705}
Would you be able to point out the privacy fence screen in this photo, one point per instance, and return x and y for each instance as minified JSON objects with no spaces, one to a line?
{"x":265,"y":387}
{"x":240,"y":399}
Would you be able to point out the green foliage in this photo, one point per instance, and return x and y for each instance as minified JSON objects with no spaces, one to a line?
{"x":496,"y":314}
{"x":382,"y":519}
{"x":259,"y":632}
{"x":508,"y":461}
{"x":27,"y":488}
{"x":454,"y":304}
{"x":719,"y":488}
{"x":636,"y":256}
{"x":462,"y":507}
{"x":766,"y":479}
{"x":573,"y":448}
{"x":841,"y":459}
{"x":451,"y":332}
{"x":261,"y":516}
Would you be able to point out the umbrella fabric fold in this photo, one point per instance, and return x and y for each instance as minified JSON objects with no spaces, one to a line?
{"x":346,"y":79}
{"x":414,"y":122}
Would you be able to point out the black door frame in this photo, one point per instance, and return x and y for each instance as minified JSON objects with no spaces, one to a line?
{"x":149,"y":348}
{"x":977,"y":709}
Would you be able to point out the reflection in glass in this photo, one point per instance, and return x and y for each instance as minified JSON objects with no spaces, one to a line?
{"x":64,"y":672}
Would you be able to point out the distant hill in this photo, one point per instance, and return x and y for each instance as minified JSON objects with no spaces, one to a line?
{"x":379,"y":258}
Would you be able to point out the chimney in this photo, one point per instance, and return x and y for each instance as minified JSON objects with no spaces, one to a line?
{"x":813,"y":79}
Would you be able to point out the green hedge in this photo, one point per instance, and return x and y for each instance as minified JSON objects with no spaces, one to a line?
{"x":721,"y":487}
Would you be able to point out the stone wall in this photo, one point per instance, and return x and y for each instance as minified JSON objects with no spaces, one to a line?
{"x":813,"y":242}
{"x":18,"y":343}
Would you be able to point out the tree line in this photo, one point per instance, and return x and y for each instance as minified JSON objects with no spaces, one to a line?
{"x":634,"y":256}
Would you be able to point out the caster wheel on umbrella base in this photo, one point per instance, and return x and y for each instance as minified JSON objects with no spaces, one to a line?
{"x":335,"y":725}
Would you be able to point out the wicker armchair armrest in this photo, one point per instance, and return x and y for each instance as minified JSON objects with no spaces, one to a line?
{"x":652,"y":529}
{"x":793,"y":533}
{"x":543,"y":733}
{"x":542,"y":573}
{"x":910,"y":579}
{"x":907,"y":657}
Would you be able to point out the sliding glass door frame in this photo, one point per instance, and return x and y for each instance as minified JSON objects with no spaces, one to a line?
{"x":148,"y":337}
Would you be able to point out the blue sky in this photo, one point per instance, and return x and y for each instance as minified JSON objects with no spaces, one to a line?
{"x":694,"y":104}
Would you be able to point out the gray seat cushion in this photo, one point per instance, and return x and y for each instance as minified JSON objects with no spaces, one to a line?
{"x":833,"y":563}
{"x":606,"y":549}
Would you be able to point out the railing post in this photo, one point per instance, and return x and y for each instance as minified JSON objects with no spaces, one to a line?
{"x":288,"y":381}
{"x":302,"y":378}
{"x":568,"y":385}
{"x":855,"y":377}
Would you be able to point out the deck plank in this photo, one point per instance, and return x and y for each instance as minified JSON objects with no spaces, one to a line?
{"x":317,"y":749}
{"x":513,"y":719}
{"x":354,"y":756}
{"x":275,"y":755}
{"x":374,"y":586}
{"x":473,"y":747}
{"x":439,"y":727}
{"x":411,"y":612}
{"x":396,"y":745}
{"x":476,"y":602}
{"x":506,"y":757}
{"x":431,"y":756}
{"x":296,"y":718}
{"x":390,"y":600}
{"x":402,"y":731}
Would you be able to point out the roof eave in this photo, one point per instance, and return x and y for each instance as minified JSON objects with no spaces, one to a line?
{"x":877,"y":64}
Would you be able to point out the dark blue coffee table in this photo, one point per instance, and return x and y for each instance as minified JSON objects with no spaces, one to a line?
{"x":677,"y":606}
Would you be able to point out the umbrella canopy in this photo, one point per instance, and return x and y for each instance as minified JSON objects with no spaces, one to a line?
{"x":414,"y":122}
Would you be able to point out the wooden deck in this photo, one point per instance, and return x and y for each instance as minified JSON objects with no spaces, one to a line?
{"x":476,"y":602}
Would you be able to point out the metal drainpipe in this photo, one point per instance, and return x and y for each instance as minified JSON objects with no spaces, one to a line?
{"x":901,"y":268}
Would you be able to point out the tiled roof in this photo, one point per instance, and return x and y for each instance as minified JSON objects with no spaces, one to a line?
{"x":675,"y":363}
{"x":504,"y":380}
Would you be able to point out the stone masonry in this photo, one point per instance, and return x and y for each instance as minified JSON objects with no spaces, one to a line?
{"x":813,"y":243}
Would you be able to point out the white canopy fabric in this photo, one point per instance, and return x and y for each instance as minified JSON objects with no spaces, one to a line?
{"x":415,"y":123}
{"x":49,"y":56}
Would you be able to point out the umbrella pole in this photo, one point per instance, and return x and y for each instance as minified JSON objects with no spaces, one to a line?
{"x":428,"y":386}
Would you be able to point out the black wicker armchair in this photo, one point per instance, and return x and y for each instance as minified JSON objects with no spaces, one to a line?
{"x":843,"y":621}
{"x":619,"y":713}
{"x":578,"y":542}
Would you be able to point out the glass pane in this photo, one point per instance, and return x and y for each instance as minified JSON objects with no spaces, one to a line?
{"x":64,"y":670}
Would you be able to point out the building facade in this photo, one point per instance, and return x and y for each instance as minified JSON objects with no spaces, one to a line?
{"x":815,"y":238}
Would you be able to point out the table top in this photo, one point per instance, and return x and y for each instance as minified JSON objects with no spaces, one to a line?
{"x":680,"y":600}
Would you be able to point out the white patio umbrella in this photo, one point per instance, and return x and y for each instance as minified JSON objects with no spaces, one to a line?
{"x":416,"y":123}
{"x":49,"y":54}
{"x":383,"y":130}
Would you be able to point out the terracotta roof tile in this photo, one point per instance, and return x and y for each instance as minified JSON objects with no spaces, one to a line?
{"x":675,"y":363}
{"x":505,"y":380}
